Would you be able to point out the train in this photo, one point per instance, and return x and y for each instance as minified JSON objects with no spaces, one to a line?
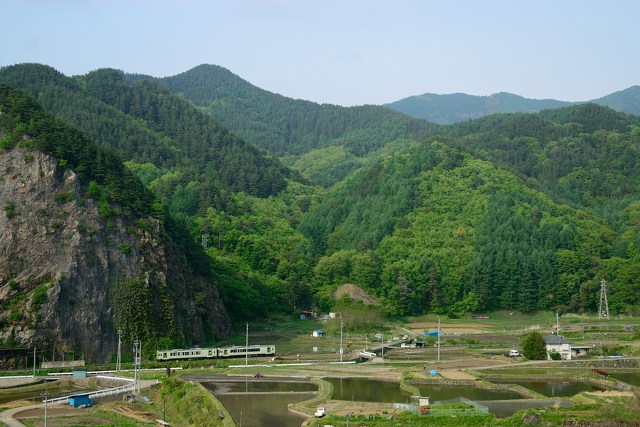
{"x":216,"y":353}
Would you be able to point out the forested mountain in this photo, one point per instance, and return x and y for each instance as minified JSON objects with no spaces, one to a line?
{"x":586,"y":155}
{"x":626,"y":101}
{"x":458,"y":107}
{"x":432,"y":227}
{"x":511,"y":211}
{"x":208,"y":180}
{"x":285,"y":126}
{"x":85,"y":249}
{"x":163,"y":134}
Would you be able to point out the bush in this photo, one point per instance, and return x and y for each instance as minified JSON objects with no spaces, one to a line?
{"x":104,"y":207}
{"x":10,"y":210}
{"x":63,"y":197}
{"x":94,"y":191}
{"x":40,"y":294}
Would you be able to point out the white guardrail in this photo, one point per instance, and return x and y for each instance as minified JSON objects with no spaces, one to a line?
{"x":16,"y":377}
{"x":59,"y":374}
{"x":130,"y":386}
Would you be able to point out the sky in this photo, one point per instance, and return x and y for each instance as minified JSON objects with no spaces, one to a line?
{"x":345,"y":52}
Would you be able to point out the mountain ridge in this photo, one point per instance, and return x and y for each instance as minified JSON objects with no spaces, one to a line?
{"x":457,"y":107}
{"x":295,"y":126}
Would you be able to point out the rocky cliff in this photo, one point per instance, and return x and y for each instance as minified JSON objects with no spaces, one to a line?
{"x":71,"y":276}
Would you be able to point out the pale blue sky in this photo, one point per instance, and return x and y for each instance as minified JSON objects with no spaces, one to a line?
{"x":346,"y":52}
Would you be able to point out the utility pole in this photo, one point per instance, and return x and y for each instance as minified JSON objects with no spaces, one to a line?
{"x":382,"y":341}
{"x":246,"y":349}
{"x":603,"y":311}
{"x":119,"y":359}
{"x":137,"y":345}
{"x":46,"y":397}
{"x":557,"y":323}
{"x":438,"y":338}
{"x":34,"y":361}
{"x":341,"y":341}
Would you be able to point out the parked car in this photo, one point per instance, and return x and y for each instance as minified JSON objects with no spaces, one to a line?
{"x":320,"y":412}
{"x":514,"y":353}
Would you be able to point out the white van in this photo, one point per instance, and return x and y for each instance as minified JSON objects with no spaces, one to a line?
{"x":514,"y":353}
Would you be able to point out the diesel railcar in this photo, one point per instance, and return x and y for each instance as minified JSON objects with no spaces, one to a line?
{"x":216,"y":353}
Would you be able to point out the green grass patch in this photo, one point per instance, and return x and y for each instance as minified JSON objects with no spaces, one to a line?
{"x":100,"y":418}
{"x":185,"y":403}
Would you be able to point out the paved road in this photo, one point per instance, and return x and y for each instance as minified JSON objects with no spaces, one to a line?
{"x":6,"y":416}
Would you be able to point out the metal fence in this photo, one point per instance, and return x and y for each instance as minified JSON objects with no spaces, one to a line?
{"x":476,"y":408}
{"x":440,"y":409}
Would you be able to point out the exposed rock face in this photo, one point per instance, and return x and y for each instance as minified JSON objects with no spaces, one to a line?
{"x":69,"y":277}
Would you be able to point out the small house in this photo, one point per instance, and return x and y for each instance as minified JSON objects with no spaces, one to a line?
{"x":79,"y":374}
{"x":580,"y":350}
{"x":80,"y":400}
{"x":307,"y":315}
{"x":318,"y":333}
{"x":557,"y":344}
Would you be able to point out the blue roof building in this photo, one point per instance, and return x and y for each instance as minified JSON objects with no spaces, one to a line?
{"x":80,"y":400}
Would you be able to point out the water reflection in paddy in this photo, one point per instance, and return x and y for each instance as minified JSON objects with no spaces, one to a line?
{"x":255,"y":407}
{"x":262,"y":410}
{"x":259,"y":387}
{"x":632,"y":378}
{"x":550,"y":388}
{"x":440,"y":392}
{"x":366,"y":390}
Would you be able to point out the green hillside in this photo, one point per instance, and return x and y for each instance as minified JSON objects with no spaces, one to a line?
{"x":290,"y":128}
{"x":459,"y":107}
{"x":511,"y":211}
{"x":194,"y":167}
{"x":627,"y":100}
{"x":585,"y":155}
{"x":22,"y":116}
{"x":162,"y":133}
{"x":436,"y":229}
